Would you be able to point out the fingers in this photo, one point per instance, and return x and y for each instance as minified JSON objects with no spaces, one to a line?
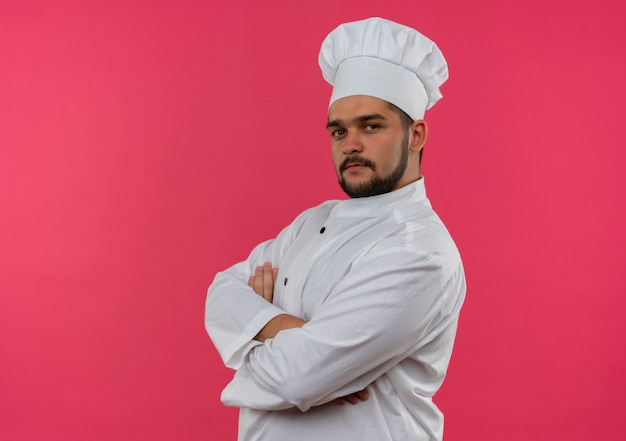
{"x":268,"y":282}
{"x":258,"y":281}
{"x":263,"y":281}
{"x":341,"y":401}
{"x":353,"y":398}
{"x":363,"y":395}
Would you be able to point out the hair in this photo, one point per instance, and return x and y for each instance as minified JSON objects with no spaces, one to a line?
{"x":406,"y":121}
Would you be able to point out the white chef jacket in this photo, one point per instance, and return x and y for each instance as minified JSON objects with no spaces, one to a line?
{"x":380,"y":283}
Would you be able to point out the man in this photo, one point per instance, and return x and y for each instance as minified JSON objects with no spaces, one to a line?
{"x":358,"y":300}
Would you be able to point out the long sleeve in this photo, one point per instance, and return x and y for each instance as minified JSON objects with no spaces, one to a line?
{"x":234,"y":313}
{"x":379,"y":283}
{"x":392,"y":302}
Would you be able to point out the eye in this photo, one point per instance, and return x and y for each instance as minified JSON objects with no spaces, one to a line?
{"x":337,"y":133}
{"x":371,"y":127}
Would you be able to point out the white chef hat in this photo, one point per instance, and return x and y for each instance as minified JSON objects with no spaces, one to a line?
{"x":386,"y":60}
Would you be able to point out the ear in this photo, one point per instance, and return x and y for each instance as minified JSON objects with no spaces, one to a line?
{"x":419,"y":133}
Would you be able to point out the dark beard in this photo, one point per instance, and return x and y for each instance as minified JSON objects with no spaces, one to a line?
{"x":376,"y":185}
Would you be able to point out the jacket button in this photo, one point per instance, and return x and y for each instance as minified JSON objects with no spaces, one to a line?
{"x":322,"y":230}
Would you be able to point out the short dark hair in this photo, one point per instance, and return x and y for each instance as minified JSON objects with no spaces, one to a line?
{"x":405,"y":119}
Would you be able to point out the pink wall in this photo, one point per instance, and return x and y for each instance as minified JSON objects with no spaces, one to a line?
{"x":146,"y":145}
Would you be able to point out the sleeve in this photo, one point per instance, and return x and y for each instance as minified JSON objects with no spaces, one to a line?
{"x":391,"y":303}
{"x":234,"y":313}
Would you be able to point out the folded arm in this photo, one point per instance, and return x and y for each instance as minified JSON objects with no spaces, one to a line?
{"x":377,"y":316}
{"x":263,"y":282}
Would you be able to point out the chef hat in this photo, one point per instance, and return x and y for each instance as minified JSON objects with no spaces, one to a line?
{"x":386,"y":60}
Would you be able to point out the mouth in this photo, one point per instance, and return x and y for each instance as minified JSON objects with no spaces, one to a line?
{"x":354,"y":165}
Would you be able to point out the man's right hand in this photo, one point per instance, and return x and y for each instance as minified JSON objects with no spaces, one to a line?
{"x":353,"y":398}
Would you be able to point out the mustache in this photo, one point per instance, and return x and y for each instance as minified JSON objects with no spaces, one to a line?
{"x":356,"y":159}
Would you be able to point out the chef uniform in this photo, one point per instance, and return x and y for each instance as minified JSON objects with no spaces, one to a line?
{"x":378,"y":280}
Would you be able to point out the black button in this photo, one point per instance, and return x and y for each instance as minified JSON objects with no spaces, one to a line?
{"x":285,"y":283}
{"x":322,"y":230}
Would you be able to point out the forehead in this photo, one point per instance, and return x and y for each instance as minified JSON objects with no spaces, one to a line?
{"x":353,"y":106}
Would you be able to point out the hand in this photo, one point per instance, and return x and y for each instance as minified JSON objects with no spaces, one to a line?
{"x":353,"y":398}
{"x":263,"y":280}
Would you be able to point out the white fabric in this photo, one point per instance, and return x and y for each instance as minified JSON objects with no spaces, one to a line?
{"x":386,"y":60}
{"x":380,"y":289}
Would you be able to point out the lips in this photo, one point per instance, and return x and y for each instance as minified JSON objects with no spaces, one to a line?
{"x":355,"y":164}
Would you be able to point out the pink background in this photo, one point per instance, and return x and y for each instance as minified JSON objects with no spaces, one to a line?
{"x":146,"y":145}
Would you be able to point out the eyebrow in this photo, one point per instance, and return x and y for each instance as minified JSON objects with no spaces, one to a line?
{"x":357,"y":120}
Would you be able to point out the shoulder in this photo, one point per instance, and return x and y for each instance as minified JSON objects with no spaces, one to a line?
{"x":417,"y":236}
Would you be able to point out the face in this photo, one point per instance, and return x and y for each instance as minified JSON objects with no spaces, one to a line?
{"x":371,"y":148}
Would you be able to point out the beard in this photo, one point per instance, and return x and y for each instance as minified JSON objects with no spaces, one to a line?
{"x":377,"y":185}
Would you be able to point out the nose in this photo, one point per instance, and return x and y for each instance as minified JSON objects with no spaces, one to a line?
{"x":352,"y":143}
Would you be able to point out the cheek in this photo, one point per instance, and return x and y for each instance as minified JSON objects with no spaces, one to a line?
{"x":390,"y":158}
{"x":337,"y":157}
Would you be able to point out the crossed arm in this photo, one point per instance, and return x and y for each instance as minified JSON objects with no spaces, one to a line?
{"x":263,"y":282}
